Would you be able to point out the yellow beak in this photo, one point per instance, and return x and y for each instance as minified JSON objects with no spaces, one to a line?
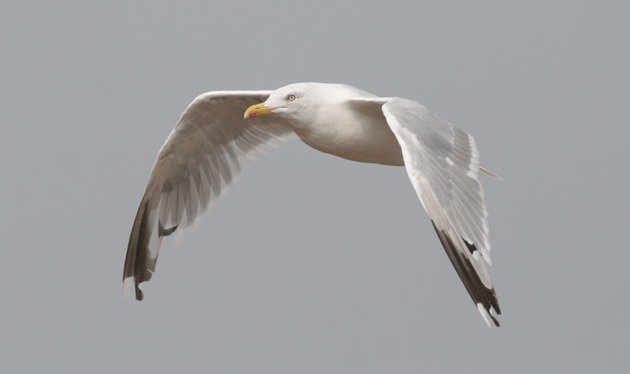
{"x":257,"y":110}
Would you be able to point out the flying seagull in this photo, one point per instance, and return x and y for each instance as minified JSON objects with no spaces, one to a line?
{"x":202,"y":155}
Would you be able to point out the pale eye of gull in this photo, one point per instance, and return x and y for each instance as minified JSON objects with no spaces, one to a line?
{"x":291,"y":97}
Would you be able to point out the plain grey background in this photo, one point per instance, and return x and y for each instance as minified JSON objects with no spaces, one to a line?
{"x":312,"y":264}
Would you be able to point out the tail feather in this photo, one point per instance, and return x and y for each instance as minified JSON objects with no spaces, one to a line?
{"x":490,"y":173}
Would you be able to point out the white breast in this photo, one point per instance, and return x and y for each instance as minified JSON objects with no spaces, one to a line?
{"x":353,"y":135}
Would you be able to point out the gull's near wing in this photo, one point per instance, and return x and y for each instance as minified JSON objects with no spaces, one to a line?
{"x":199,"y":159}
{"x":442,"y":162}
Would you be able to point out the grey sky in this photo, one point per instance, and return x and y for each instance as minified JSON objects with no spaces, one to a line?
{"x":312,"y":263}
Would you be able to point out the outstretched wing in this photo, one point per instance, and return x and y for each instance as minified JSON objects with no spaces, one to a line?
{"x":442,"y":162}
{"x":199,"y":159}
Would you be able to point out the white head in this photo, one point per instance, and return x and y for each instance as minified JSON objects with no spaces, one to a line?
{"x":296,"y":102}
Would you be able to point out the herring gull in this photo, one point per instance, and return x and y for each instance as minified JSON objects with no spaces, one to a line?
{"x":202,"y":155}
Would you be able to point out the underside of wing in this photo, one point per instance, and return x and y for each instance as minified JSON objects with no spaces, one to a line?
{"x":199,"y":159}
{"x":443,"y":165}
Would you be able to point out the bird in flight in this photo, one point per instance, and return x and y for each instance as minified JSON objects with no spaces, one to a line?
{"x":202,"y":155}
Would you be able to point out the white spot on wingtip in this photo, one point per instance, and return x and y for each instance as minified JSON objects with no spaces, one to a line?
{"x":493,"y":313}
{"x":449,"y":161}
{"x":127,"y":286}
{"x":484,"y":314}
{"x":476,"y":255}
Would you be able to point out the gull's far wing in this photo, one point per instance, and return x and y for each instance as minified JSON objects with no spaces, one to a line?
{"x":198,"y":160}
{"x":442,"y":162}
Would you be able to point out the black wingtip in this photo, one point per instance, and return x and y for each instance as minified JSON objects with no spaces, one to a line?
{"x":139,"y":266}
{"x":476,"y":289}
{"x":166,"y":232}
{"x":139,"y":293}
{"x":495,"y":320}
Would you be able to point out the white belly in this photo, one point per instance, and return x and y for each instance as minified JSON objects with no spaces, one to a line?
{"x":354,"y":136}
